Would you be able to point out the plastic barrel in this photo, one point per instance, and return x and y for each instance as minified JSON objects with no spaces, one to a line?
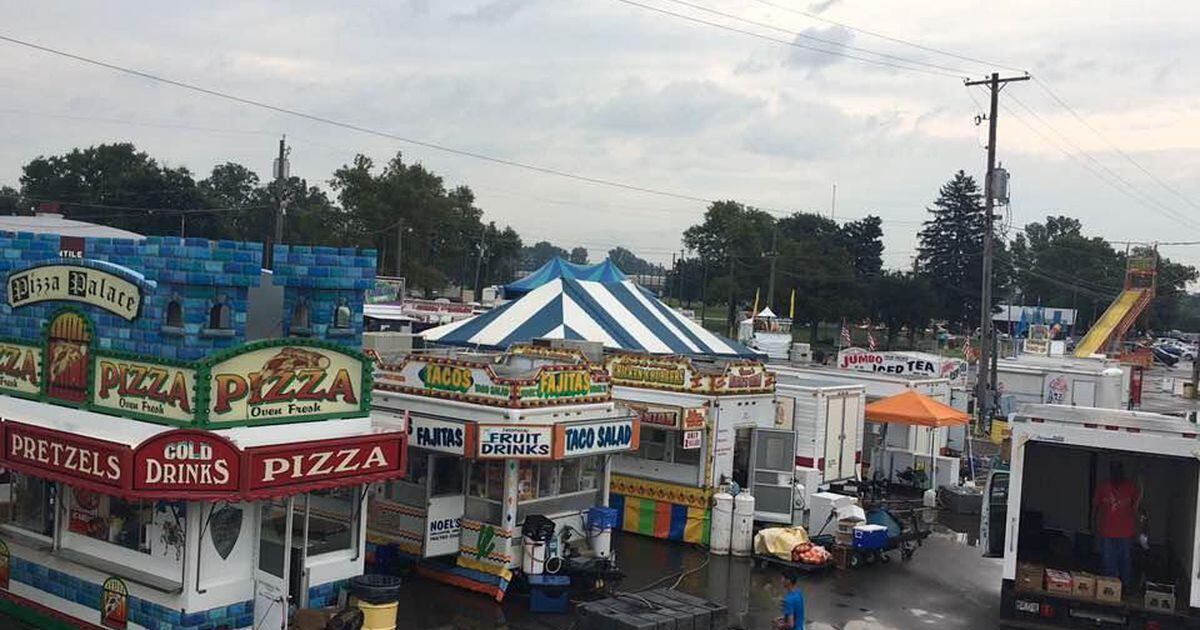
{"x":601,"y":521}
{"x":722,"y":523}
{"x":533,"y":556}
{"x":377,"y":596}
{"x":743,"y":525}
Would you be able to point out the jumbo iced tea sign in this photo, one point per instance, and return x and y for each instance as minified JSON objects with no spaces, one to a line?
{"x":286,"y":383}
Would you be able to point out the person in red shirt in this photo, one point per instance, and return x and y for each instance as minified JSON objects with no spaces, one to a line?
{"x":1115,"y":508}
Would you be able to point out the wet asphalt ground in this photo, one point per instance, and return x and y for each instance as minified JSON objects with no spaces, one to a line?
{"x":945,"y":585}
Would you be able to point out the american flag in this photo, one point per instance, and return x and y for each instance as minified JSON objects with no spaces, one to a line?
{"x":870,"y":338}
{"x":845,"y":335}
{"x":967,"y":348}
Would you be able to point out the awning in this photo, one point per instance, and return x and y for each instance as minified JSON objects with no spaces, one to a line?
{"x":193,"y":464}
{"x":914,"y":409}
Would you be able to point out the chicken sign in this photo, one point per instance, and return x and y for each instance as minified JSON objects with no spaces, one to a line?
{"x":276,"y":383}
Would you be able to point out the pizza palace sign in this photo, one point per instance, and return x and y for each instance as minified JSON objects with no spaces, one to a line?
{"x":197,"y":464}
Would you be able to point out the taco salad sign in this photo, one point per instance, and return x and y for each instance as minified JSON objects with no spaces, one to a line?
{"x":285,"y":383}
{"x":75,"y":283}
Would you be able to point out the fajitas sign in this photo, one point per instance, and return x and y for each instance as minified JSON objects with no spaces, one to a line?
{"x":286,"y":384}
{"x":144,"y":389}
{"x":75,"y":283}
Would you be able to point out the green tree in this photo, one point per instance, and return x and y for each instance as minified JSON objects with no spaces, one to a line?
{"x":814,"y":260}
{"x":901,"y":299}
{"x":732,"y":239}
{"x":540,"y":253}
{"x":11,"y":201}
{"x":631,"y":264}
{"x":950,"y":254}
{"x":111,"y":184}
{"x":579,"y":255}
{"x":863,"y":240}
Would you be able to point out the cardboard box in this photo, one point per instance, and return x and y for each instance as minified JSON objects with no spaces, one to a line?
{"x":1108,"y":589}
{"x":1030,"y":577}
{"x":1058,"y":582}
{"x":1083,"y":585}
{"x":1160,"y":596}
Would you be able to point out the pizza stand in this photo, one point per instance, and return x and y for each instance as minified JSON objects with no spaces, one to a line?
{"x":162,"y":468}
{"x":196,"y":515}
{"x":497,"y":439}
{"x":704,"y":424}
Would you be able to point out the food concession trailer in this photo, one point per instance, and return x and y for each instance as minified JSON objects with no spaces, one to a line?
{"x":162,"y":470}
{"x":496,"y":438}
{"x":704,"y":424}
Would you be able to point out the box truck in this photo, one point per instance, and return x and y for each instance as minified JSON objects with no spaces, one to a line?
{"x":1081,"y":383}
{"x":1038,"y":516}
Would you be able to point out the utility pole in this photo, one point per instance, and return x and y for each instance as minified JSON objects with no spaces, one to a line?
{"x":987,"y":337}
{"x":482,"y":246}
{"x":731,"y":307}
{"x":774,"y":257}
{"x":281,"y":172}
{"x":833,"y":204}
{"x":674,"y":280}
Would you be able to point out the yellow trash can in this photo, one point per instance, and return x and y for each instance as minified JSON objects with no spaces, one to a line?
{"x":377,"y":596}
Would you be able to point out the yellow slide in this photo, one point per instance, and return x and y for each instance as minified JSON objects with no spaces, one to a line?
{"x":1097,"y":338}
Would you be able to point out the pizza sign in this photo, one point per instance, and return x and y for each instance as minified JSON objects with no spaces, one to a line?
{"x":144,"y":389}
{"x":20,"y":368}
{"x":288,"y":383}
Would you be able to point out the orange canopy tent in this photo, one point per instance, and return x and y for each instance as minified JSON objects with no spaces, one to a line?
{"x":915,"y":409}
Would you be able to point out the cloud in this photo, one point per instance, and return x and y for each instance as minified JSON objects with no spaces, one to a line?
{"x":494,"y":12}
{"x":677,"y":108}
{"x":832,"y":38}
{"x":821,"y":7}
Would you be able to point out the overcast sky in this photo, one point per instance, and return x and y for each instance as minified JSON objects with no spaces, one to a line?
{"x":614,"y":91}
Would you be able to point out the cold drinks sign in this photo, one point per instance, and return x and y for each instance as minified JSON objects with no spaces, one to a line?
{"x":197,"y":461}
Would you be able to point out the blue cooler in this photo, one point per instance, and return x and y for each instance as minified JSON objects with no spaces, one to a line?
{"x":549,"y":593}
{"x":870,"y":536}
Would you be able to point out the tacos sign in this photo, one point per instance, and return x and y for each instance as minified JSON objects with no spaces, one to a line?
{"x":285,"y":383}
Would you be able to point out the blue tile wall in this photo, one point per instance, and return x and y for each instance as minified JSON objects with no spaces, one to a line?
{"x":324,"y":277}
{"x":194,"y":271}
{"x":141,"y":612}
{"x":325,"y":595}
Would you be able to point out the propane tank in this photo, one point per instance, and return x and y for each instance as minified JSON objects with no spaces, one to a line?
{"x":743,"y":524}
{"x":722,"y":523}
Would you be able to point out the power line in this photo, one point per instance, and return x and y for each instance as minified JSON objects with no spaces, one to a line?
{"x":1085,"y":123}
{"x":785,"y":42}
{"x":1133,"y":191}
{"x":351,"y":126}
{"x":891,"y":38}
{"x":822,"y":40}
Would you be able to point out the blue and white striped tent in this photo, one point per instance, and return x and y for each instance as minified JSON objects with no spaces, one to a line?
{"x":621,"y":315}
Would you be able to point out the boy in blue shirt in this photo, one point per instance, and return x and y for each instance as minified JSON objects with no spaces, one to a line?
{"x":792,"y":606}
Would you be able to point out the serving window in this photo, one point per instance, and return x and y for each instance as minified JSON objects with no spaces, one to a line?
{"x":141,"y":539}
{"x":31,"y":504}
{"x":662,"y":457}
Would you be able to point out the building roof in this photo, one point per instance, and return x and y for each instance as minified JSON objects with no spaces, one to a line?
{"x":619,"y":315}
{"x":46,"y":223}
{"x":556,"y":268}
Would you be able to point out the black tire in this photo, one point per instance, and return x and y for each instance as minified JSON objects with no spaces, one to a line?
{"x":855,"y":561}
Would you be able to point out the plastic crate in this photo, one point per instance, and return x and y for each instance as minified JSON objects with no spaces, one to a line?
{"x":870,"y":537}
{"x":549,"y":594}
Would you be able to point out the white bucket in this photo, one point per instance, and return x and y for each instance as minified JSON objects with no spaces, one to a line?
{"x":743,"y":525}
{"x":533,"y":557}
{"x":722,"y":523}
